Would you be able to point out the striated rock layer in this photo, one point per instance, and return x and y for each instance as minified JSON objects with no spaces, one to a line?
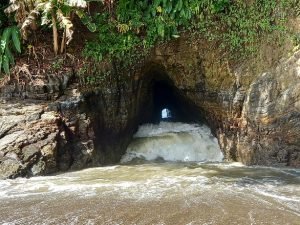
{"x":56,"y":127}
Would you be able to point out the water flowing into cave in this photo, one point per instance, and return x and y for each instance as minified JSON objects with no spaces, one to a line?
{"x":117,"y":113}
{"x":173,"y":142}
{"x":174,"y":130}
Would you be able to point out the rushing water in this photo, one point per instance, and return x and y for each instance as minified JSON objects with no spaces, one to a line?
{"x":174,"y":142}
{"x":179,"y":191}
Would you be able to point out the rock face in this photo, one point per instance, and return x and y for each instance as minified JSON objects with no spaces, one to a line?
{"x":28,"y":135}
{"x":269,"y":130}
{"x":38,"y":137}
{"x":255,"y":116}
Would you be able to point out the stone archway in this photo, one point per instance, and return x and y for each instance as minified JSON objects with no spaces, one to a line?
{"x":255,"y":116}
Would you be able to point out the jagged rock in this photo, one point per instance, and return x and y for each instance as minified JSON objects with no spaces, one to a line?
{"x":36,"y":140}
{"x":271,"y":115}
{"x":26,"y":128}
{"x":255,"y":116}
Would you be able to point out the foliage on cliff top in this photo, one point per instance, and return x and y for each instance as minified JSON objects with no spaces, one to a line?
{"x":131,"y":27}
{"x":236,"y":25}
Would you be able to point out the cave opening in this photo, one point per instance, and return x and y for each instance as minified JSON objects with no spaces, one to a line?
{"x":175,"y":129}
{"x":157,"y":97}
{"x":166,"y":114}
{"x":169,"y":103}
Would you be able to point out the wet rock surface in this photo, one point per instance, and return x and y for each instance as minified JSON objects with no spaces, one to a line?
{"x":269,"y":131}
{"x":40,"y":137}
{"x":25,"y":130}
{"x":256,"y":117}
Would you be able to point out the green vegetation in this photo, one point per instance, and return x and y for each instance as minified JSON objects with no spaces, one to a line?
{"x":10,"y":41}
{"x":236,"y":25}
{"x":128,"y":29}
{"x":56,"y":13}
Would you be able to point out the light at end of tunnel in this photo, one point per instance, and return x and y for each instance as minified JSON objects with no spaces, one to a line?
{"x":166,"y":113}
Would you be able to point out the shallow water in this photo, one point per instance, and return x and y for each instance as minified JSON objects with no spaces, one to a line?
{"x":157,"y":193}
{"x":165,"y":193}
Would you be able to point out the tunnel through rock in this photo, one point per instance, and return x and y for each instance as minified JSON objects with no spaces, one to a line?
{"x":117,"y":112}
{"x":175,"y":129}
{"x":169,"y":103}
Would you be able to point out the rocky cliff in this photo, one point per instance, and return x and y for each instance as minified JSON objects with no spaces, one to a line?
{"x":58,"y":126}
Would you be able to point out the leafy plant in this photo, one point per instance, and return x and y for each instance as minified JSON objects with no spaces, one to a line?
{"x":9,"y":42}
{"x":139,"y":24}
{"x":125,"y":28}
{"x":112,"y":40}
{"x":57,"y":14}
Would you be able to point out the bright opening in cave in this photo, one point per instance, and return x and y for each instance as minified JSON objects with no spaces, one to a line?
{"x":167,"y":102}
{"x":166,"y":114}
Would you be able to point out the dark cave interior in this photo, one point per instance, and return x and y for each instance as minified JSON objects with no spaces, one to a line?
{"x":166,"y":96}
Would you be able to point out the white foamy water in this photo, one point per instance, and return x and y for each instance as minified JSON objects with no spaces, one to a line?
{"x":174,"y":142}
{"x":156,"y":193}
{"x":169,"y":193}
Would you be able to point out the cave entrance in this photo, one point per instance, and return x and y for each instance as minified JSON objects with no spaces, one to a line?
{"x":169,"y":103}
{"x":172,"y":132}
